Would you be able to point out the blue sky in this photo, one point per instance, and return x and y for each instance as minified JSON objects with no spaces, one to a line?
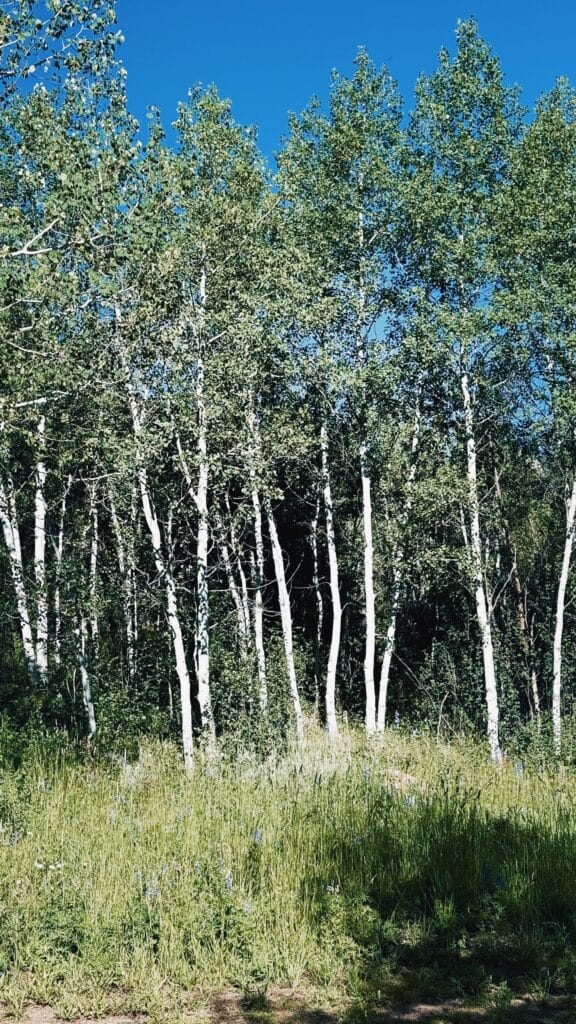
{"x":270,"y":58}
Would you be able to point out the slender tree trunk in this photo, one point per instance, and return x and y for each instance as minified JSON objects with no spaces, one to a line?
{"x":369,"y":599}
{"x":398,"y":565}
{"x":202,"y":603}
{"x":370,"y":611}
{"x":258,"y":600}
{"x":525,"y":633}
{"x":40,"y":557}
{"x":331,"y":722}
{"x":165,"y":573}
{"x":319,"y":604}
{"x":126,"y":574}
{"x":59,"y":554}
{"x":483,"y":611}
{"x":81,"y":645}
{"x":242,"y":577}
{"x":11,"y":531}
{"x":286,"y":619}
{"x":93,"y":588}
{"x":232,"y":587}
{"x":560,"y":605}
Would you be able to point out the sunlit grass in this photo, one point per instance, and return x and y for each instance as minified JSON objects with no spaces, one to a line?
{"x":352,"y":870}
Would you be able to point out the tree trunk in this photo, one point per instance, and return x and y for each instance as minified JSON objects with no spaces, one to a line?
{"x":40,"y":557}
{"x":258,"y":600}
{"x":11,"y":531}
{"x":165,"y":574}
{"x":331,"y":722}
{"x":398,"y":564}
{"x":286,"y":619}
{"x":241,"y":575}
{"x":370,"y":649}
{"x":126,"y":574}
{"x":202,"y":604}
{"x":243,"y":638}
{"x":81,"y":644}
{"x":560,"y":605}
{"x":319,"y":605}
{"x":59,"y":554}
{"x":94,"y":542}
{"x":525,"y":633}
{"x":483,"y":610}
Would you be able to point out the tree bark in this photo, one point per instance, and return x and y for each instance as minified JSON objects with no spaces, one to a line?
{"x":319,"y":604}
{"x":11,"y":531}
{"x":126,"y":575}
{"x":483,"y":610}
{"x":398,"y":565}
{"x":81,"y":645}
{"x":165,"y":573}
{"x":59,"y":554}
{"x":560,"y":606}
{"x":331,"y":722}
{"x":286,"y":619}
{"x":40,"y":557}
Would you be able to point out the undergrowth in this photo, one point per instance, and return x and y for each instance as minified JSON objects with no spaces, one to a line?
{"x":362,"y":872}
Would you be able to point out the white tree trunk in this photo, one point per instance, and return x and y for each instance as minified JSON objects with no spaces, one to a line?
{"x":93,"y":591}
{"x":286,"y":619}
{"x":243,"y":638}
{"x":126,"y":574}
{"x":398,"y":564}
{"x":483,"y":610}
{"x":241,"y":574}
{"x":40,"y":557}
{"x":202,"y":604}
{"x":560,"y":605}
{"x":258,"y":583}
{"x":319,"y":604}
{"x":370,"y":613}
{"x":58,"y":555}
{"x":370,"y":649}
{"x":165,"y":574}
{"x":11,"y":531}
{"x":331,"y":723}
{"x":81,"y":644}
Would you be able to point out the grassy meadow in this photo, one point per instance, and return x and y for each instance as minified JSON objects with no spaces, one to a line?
{"x":362,"y":874}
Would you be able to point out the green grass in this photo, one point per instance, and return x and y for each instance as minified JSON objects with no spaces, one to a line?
{"x":325,"y":869}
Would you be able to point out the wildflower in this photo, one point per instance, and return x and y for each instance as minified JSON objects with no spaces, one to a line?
{"x":38,"y":865}
{"x":333,"y":889}
{"x":112,"y":814}
{"x":258,"y":836}
{"x":409,"y":800}
{"x":151,"y":890}
{"x":396,"y":719}
{"x":55,"y":867}
{"x":246,"y":908}
{"x":366,"y":773}
{"x":519,"y":770}
{"x":14,"y":838}
{"x":138,"y":875}
{"x":228,"y":883}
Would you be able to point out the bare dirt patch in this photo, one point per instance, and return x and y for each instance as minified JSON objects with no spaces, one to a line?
{"x":286,"y":1006}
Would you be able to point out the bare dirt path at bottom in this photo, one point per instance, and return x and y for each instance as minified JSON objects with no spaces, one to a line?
{"x":285,"y":1006}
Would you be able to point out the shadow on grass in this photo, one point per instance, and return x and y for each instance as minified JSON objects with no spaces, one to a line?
{"x":442,"y":900}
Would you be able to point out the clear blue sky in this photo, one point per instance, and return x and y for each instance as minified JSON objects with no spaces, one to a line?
{"x":271,"y":57}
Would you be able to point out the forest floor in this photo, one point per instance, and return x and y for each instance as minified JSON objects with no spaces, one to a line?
{"x":288,"y":1006}
{"x":402,"y":880}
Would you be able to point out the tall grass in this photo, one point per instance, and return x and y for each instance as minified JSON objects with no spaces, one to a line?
{"x":357,"y":871}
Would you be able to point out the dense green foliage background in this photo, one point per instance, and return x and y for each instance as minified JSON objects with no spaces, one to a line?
{"x":173,"y":311}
